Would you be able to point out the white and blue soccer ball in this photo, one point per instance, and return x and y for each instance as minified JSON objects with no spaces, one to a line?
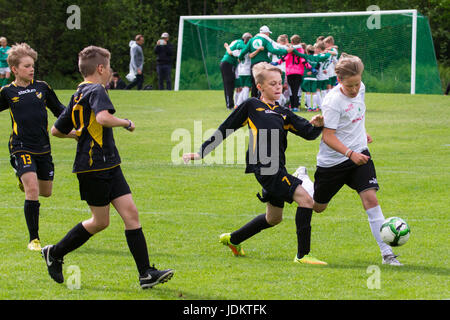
{"x":395,"y":231}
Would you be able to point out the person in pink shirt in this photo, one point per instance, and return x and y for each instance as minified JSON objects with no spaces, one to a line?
{"x":295,"y":68}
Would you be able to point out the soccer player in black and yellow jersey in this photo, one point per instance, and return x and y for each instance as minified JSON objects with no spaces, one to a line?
{"x":269,"y":125}
{"x":29,"y":146}
{"x":97,"y":165}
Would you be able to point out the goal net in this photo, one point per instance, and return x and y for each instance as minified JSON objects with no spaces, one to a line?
{"x":395,"y":46}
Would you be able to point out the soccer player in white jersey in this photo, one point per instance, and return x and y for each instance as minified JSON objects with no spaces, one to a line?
{"x":277,"y":60}
{"x":243,"y":81}
{"x":343,"y":156}
{"x":322,"y":76}
{"x":332,"y":78}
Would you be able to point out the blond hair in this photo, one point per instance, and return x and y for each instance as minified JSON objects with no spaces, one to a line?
{"x":320,"y":45}
{"x":260,"y":71}
{"x":91,"y":57}
{"x":310,"y":48}
{"x":348,"y":66}
{"x":295,"y":39}
{"x":18,"y":51}
{"x":329,"y":40}
{"x":3,"y":39}
{"x":282,"y":38}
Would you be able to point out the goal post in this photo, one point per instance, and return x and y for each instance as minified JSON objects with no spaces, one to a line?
{"x":395,"y":45}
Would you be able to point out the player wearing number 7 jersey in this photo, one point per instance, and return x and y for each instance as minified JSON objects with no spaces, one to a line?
{"x":269,"y":125}
{"x":29,"y":145}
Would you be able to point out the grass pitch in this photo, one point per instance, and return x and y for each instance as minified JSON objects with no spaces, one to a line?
{"x":183,"y":209}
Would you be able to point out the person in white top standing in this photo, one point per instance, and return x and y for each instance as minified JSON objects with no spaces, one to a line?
{"x":344,"y":156}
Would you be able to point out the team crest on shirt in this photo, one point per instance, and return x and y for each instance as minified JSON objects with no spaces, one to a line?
{"x":39,"y":95}
{"x":349,"y":107}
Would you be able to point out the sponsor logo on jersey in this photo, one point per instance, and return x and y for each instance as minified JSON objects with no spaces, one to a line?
{"x":26,"y":91}
{"x":15,"y":99}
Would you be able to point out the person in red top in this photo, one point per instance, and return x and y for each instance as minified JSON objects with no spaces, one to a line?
{"x":294,"y":71}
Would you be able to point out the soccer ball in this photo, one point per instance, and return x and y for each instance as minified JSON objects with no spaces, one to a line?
{"x":395,"y":231}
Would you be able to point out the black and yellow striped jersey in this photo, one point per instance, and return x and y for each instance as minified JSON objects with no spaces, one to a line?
{"x":268,"y":129}
{"x":96,"y":148}
{"x":29,"y":118}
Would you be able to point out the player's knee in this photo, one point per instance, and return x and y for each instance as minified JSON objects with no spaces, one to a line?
{"x":31,"y":191}
{"x":319,"y":207}
{"x":305,"y":201}
{"x":101,"y":224}
{"x":273,"y":221}
{"x":46,"y":193}
{"x":369,"y":198}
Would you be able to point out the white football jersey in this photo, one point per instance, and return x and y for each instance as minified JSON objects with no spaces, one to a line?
{"x":346,"y":116}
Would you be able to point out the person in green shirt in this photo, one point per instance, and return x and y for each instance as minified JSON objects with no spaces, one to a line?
{"x":262,"y":39}
{"x":228,"y":69}
{"x":5,"y":72}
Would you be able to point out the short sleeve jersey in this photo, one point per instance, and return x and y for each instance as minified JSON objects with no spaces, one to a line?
{"x":96,"y":148}
{"x":29,"y":119}
{"x":332,"y":63}
{"x":4,"y":56}
{"x":347,"y":116}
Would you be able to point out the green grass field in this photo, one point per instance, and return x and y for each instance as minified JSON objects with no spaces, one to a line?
{"x":183,"y":210}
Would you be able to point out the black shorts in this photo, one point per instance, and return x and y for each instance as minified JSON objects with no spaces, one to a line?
{"x":277,"y":188}
{"x":99,"y":188}
{"x":42,"y":164}
{"x":328,"y":181}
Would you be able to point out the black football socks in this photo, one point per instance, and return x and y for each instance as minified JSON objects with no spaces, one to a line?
{"x":138,"y":248}
{"x":31,"y":210}
{"x":253,"y":227}
{"x":74,"y":239}
{"x":303,"y":223}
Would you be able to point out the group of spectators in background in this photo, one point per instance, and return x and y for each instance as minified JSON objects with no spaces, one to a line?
{"x":164,"y":53}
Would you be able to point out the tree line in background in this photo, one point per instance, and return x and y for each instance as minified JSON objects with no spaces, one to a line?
{"x":113,"y":23}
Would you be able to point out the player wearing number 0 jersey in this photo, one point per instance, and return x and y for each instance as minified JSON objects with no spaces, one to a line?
{"x":29,"y":145}
{"x":97,"y":165}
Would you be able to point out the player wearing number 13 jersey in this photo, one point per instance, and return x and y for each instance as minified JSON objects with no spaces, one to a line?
{"x":29,"y":145}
